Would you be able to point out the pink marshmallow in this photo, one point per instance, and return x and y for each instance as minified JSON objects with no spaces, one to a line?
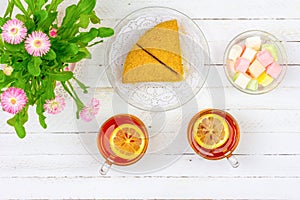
{"x":242,"y":64}
{"x":265,"y":58}
{"x":274,"y":70}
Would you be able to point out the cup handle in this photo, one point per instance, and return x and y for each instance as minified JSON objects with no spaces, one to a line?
{"x":233,"y":161}
{"x":105,"y":168}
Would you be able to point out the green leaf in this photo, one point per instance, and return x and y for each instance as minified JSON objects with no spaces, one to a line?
{"x":72,"y":15}
{"x":20,"y":6}
{"x":20,"y":83}
{"x":39,"y":4}
{"x":69,"y":32}
{"x":13,"y":47}
{"x":50,"y":85}
{"x":40,"y":112}
{"x":67,"y":51}
{"x":84,"y":21}
{"x":71,"y":49}
{"x":94,"y":18}
{"x":5,"y":58}
{"x":78,"y":57}
{"x":21,"y":17}
{"x":12,"y":121}
{"x":34,"y":66}
{"x":95,"y":43}
{"x":86,"y":37}
{"x":9,"y":9}
{"x":61,"y":76}
{"x":82,"y":54}
{"x":30,"y":4}
{"x":49,"y":21}
{"x":82,"y":86}
{"x":2,"y":21}
{"x":23,"y":115}
{"x":86,"y":52}
{"x":18,"y":122}
{"x":86,"y":6}
{"x":40,"y":17}
{"x":51,"y":55}
{"x":105,"y":32}
{"x":30,"y":25}
{"x":20,"y":130}
{"x":19,"y":65}
{"x":53,"y":6}
{"x":2,"y":76}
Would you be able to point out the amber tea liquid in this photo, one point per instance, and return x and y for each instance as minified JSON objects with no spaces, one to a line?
{"x":227,"y":148}
{"x":106,"y":131}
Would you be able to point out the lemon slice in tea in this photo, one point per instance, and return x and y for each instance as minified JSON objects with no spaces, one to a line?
{"x":127,"y":141}
{"x":211,"y":131}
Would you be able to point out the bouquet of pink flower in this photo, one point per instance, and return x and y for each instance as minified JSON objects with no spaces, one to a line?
{"x":35,"y":51}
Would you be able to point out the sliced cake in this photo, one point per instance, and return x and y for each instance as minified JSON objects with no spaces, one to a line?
{"x":156,"y":57}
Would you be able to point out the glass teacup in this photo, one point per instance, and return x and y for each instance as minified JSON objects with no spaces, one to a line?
{"x":214,"y":134}
{"x":122,"y":140}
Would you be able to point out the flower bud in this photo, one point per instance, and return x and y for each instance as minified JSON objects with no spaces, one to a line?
{"x":53,"y":33}
{"x":8,"y":70}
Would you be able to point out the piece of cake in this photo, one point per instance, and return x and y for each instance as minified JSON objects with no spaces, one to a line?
{"x":156,"y":57}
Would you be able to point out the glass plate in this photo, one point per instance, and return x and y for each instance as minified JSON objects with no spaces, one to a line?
{"x":158,"y":96}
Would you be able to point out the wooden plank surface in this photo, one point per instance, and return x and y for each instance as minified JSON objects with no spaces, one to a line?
{"x":55,"y":163}
{"x":151,"y":187}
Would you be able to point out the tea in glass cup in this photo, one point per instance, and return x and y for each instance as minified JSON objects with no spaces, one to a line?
{"x":214,"y":134}
{"x":122,"y":140}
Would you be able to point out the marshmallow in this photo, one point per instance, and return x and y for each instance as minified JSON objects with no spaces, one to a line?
{"x":265,"y":58}
{"x":242,"y":80}
{"x":274,"y":70}
{"x":242,"y":64}
{"x":230,"y":67}
{"x":253,"y":42}
{"x":256,"y":69}
{"x":272,"y":49}
{"x":249,"y":54}
{"x":235,"y":52}
{"x":264,"y":79}
{"x":236,"y":76}
{"x":252,"y":85}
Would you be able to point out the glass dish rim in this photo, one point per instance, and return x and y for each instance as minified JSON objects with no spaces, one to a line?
{"x":284,"y":64}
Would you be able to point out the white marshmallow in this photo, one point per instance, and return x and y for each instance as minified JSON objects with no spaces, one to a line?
{"x":242,"y":80}
{"x":253,"y":42}
{"x":230,"y":67}
{"x":249,"y":54}
{"x":235,"y":52}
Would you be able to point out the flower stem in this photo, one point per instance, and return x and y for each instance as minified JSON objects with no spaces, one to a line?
{"x":74,"y":95}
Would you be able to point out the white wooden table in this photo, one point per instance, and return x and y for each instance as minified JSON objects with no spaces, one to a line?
{"x":53,"y":163}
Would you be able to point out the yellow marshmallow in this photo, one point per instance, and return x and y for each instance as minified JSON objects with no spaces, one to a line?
{"x":264,"y":79}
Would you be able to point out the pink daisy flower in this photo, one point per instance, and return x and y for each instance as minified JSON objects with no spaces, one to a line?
{"x":55,"y":106}
{"x":13,"y":100}
{"x":37,"y":43}
{"x":14,"y":31}
{"x":88,"y":113}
